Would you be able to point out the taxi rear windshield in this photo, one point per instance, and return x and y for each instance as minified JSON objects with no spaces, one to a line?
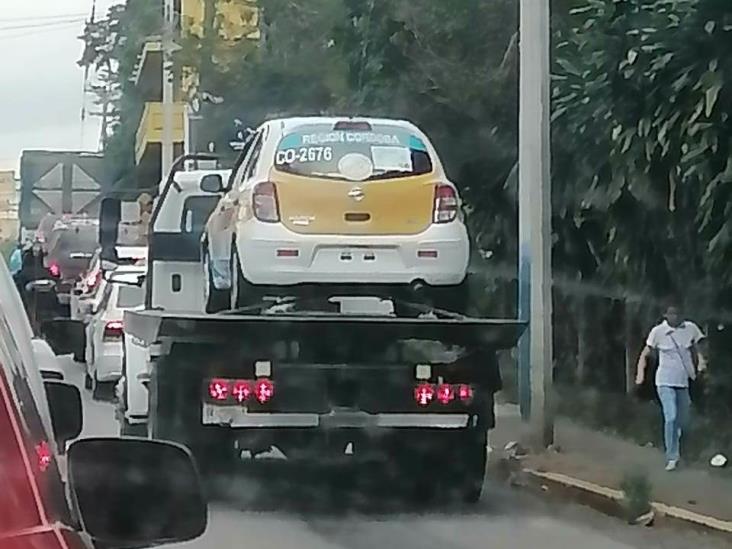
{"x":382,"y":152}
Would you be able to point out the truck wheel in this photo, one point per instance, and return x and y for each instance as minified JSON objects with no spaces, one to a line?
{"x":216,"y":300}
{"x":102,"y":390}
{"x":467,"y":466}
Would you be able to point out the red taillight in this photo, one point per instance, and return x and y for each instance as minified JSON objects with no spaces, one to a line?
{"x":44,"y":455}
{"x":445,"y":393}
{"x":218,"y":389}
{"x":264,"y":203}
{"x":54,"y":269}
{"x":287,"y":253}
{"x":424,"y":393}
{"x":242,"y":390}
{"x":446,"y":204}
{"x":113,"y":329}
{"x":464,"y":392}
{"x":263,"y":390}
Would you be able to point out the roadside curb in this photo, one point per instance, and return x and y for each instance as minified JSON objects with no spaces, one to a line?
{"x":609,"y":501}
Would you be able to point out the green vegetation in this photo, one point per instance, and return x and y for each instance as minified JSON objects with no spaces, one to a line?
{"x":642,"y":144}
{"x":637,"y":492}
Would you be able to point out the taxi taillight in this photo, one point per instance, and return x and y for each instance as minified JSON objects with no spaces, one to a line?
{"x":265,"y":204}
{"x":446,"y":204}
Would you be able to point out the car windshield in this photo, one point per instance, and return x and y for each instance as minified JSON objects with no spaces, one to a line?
{"x":422,"y":274}
{"x":130,"y":296}
{"x":378,"y":152}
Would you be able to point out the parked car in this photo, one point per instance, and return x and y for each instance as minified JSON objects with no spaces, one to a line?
{"x":335,"y":201}
{"x":115,"y":492}
{"x":123,"y":289}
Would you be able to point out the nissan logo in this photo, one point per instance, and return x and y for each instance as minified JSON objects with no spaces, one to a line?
{"x":356,"y":193}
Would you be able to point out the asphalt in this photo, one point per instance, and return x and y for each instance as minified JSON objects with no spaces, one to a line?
{"x":273,"y":504}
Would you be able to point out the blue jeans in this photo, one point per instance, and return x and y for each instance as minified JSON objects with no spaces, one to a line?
{"x":675,"y":402}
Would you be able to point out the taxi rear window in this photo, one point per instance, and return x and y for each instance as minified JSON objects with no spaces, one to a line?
{"x":381,"y":152}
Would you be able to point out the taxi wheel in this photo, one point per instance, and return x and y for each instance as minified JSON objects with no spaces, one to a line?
{"x":239,"y":295}
{"x":216,"y":300}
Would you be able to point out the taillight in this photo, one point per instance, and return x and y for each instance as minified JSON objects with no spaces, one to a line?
{"x":242,"y":391}
{"x":218,"y":389}
{"x":264,"y":202}
{"x":263,"y":390}
{"x":446,"y":204}
{"x":113,"y":329}
{"x":445,"y":393}
{"x":465,"y":392}
{"x":424,"y":393}
{"x":54,"y":269}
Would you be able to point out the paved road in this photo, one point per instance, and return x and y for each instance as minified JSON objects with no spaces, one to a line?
{"x":270,"y":505}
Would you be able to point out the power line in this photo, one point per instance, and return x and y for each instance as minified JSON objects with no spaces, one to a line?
{"x":11,"y":36}
{"x":40,"y":17}
{"x":42,"y":25}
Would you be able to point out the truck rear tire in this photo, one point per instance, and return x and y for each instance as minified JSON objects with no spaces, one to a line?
{"x":451,"y":467}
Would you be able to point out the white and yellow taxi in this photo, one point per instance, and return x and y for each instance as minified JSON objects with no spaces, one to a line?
{"x":322,"y":200}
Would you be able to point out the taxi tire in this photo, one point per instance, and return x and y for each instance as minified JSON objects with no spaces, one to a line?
{"x":217,"y":300}
{"x":239,"y":284}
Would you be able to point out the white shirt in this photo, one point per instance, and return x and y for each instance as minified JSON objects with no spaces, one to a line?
{"x":675,"y":364}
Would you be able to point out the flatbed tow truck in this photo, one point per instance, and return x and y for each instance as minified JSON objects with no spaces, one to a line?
{"x":323,"y":377}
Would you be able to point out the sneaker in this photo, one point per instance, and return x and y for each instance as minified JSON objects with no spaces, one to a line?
{"x":672,"y":464}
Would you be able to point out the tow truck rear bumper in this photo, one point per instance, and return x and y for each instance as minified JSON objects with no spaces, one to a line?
{"x":236,"y":417}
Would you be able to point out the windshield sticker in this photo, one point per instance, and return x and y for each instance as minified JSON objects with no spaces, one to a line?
{"x":343,"y":137}
{"x":388,"y":159}
{"x":416,"y":144}
{"x":356,"y":167}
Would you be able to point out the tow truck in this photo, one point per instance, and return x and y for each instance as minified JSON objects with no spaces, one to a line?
{"x":328,"y":376}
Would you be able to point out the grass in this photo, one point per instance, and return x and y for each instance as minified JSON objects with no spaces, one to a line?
{"x":637,"y":495}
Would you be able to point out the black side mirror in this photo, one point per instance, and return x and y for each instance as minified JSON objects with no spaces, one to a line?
{"x":133,"y":492}
{"x":64,"y":402}
{"x":212,"y":183}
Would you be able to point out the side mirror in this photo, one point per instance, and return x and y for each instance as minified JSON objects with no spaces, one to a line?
{"x":212,"y":183}
{"x":64,"y":402}
{"x":133,"y":492}
{"x":40,"y":286}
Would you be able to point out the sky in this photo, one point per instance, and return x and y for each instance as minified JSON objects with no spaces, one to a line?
{"x":40,"y":82}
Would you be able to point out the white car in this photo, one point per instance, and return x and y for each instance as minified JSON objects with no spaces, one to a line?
{"x":104,"y":332}
{"x":338,"y":201}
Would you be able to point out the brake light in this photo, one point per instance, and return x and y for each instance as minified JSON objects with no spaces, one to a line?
{"x":54,"y":269}
{"x":424,"y":393}
{"x":263,"y":390}
{"x":113,"y":329}
{"x":446,"y":204}
{"x":427,"y":254}
{"x":218,"y":389}
{"x":242,"y":390}
{"x":44,"y":455}
{"x":264,"y":202}
{"x":445,"y":394}
{"x":465,"y":392}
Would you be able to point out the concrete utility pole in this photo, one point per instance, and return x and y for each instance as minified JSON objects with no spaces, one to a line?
{"x":167,"y":146}
{"x":535,"y":239}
